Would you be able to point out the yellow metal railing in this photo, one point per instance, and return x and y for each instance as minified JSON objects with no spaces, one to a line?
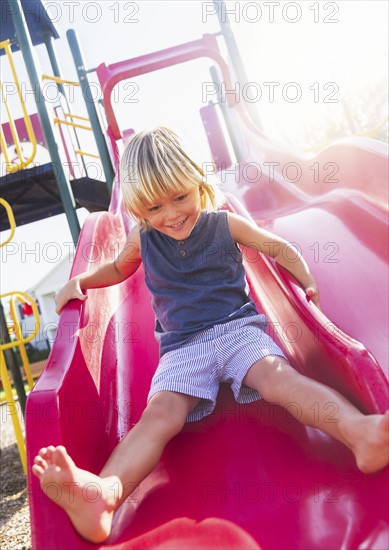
{"x":16,"y":329}
{"x":59,"y":80}
{"x":73,"y":124}
{"x":71,"y":116}
{"x":20,"y":343}
{"x":22,"y":162}
{"x":11,"y":220}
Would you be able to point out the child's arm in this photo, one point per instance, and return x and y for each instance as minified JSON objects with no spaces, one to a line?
{"x":107,"y":274}
{"x":247,"y":234}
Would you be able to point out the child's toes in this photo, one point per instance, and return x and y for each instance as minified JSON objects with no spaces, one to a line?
{"x":49,"y":453}
{"x":41,"y":462}
{"x":42,"y":452}
{"x":62,"y":459}
{"x":37,"y":470}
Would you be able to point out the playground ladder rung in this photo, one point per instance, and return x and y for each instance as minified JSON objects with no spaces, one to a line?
{"x":60,"y":121}
{"x":76,"y":116}
{"x":84,"y":154}
{"x":59,"y":80}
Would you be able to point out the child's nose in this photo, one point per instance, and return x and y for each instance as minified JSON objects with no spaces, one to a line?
{"x":171,"y":212}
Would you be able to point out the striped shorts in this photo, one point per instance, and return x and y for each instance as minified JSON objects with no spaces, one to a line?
{"x":222,"y":353}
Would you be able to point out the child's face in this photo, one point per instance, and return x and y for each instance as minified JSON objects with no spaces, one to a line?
{"x":176,"y":214}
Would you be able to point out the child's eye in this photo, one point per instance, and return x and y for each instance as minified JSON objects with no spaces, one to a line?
{"x":181,"y":197}
{"x":154,"y":208}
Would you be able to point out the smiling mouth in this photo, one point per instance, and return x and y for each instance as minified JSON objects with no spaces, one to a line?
{"x":177,"y":225}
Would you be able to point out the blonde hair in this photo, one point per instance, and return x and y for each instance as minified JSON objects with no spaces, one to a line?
{"x":153,"y":164}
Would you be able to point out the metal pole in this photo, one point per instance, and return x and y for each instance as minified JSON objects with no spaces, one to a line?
{"x":49,"y":43}
{"x":62,"y":182}
{"x":48,"y":39}
{"x":236,"y":59}
{"x":11,"y":361}
{"x":226,"y":115}
{"x":91,"y":108}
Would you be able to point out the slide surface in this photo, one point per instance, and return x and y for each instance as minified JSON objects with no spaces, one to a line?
{"x":248,"y":476}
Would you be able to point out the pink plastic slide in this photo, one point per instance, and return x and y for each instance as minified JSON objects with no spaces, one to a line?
{"x":248,"y":476}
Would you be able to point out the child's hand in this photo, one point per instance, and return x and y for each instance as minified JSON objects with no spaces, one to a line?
{"x":313,"y":294}
{"x":71,"y":291}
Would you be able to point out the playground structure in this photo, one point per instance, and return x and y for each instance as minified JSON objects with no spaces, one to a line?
{"x":232,"y":479}
{"x":19,"y":342}
{"x":37,"y":191}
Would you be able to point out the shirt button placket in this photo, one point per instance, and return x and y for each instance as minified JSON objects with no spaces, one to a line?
{"x":181,"y":252}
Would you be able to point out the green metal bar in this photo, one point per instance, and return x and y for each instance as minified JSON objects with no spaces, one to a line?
{"x":26,"y":48}
{"x":91,"y":108}
{"x":236,"y":59}
{"x":11,"y":361}
{"x":49,"y":43}
{"x":48,"y":40}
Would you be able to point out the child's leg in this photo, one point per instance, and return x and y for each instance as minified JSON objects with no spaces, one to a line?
{"x":317,"y":405}
{"x":90,"y":500}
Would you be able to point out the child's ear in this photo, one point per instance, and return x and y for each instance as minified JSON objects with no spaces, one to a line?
{"x":201,"y":188}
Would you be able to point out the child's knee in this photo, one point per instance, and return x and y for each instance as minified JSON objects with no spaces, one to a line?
{"x":270,"y":376}
{"x":163,"y":411}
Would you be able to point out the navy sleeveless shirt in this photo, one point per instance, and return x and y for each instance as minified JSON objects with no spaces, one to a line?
{"x":195,"y":283}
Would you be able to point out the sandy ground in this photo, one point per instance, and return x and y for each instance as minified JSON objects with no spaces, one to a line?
{"x":14,"y":512}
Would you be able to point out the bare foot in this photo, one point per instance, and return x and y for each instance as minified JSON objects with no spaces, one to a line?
{"x":89,"y":500}
{"x":369,"y":439}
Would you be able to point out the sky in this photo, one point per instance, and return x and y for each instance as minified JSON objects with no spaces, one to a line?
{"x":302,"y":59}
